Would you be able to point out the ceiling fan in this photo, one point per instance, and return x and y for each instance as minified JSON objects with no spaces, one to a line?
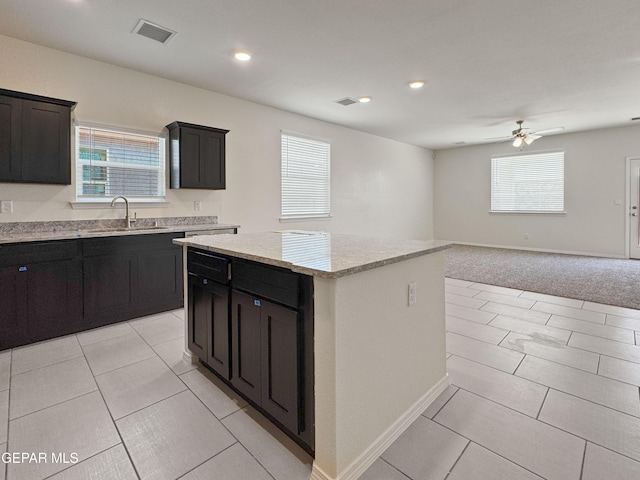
{"x":524,"y":136}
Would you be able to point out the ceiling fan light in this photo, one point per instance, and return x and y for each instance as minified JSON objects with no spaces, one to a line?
{"x":517,"y":142}
{"x":528,"y":140}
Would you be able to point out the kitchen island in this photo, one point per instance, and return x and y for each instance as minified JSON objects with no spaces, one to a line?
{"x":378,"y":333}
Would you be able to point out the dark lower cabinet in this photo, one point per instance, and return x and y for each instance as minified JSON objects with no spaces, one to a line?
{"x":208,"y":317}
{"x":40,"y":291}
{"x":49,"y":289}
{"x":130,"y":276}
{"x":110,"y":288}
{"x":267,"y":343}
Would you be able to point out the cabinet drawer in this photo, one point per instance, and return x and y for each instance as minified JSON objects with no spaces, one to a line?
{"x":208,"y":265}
{"x":130,"y":243}
{"x":37,"y":252}
{"x":273,"y":283}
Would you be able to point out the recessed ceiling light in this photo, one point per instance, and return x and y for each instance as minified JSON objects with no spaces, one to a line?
{"x":364,"y":99}
{"x":242,"y":56}
{"x":417,"y":84}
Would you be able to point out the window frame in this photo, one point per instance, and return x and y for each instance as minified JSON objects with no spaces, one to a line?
{"x":529,"y":211}
{"x":325,"y":181}
{"x":86,"y":201}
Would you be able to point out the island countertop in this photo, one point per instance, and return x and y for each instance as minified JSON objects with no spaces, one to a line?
{"x":320,"y":254}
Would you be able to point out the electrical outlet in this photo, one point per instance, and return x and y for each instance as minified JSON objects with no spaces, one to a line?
{"x":197,"y":205}
{"x":526,"y":236}
{"x":6,"y":206}
{"x":412,"y":293}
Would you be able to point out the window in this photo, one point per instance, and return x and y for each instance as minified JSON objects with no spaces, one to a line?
{"x":111,"y":163}
{"x":305,"y":177}
{"x":529,"y":183}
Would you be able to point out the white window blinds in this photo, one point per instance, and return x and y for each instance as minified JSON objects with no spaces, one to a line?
{"x":111,"y":163}
{"x":305,"y":177}
{"x":528,"y":183}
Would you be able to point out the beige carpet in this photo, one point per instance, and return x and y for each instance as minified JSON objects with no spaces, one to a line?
{"x":601,"y":280}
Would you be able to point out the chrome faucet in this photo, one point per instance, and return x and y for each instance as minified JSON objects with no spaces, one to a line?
{"x":127,"y":219}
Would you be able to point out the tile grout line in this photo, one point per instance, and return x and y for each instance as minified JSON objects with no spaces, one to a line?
{"x":115,"y":425}
{"x":395,"y":468}
{"x":458,"y":459}
{"x":489,"y":449}
{"x":586,"y":439}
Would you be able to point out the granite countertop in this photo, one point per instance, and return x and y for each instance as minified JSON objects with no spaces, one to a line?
{"x":320,"y":254}
{"x":18,"y":232}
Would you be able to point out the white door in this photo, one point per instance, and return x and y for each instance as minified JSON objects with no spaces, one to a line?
{"x":634,"y":210}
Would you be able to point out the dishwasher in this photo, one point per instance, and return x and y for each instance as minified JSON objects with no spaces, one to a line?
{"x":208,"y":284}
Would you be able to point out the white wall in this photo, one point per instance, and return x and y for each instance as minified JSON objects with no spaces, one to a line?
{"x":379,"y":186}
{"x":595,"y":166}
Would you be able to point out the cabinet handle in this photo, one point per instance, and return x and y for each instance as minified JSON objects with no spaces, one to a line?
{"x":22,"y":269}
{"x":256,"y":302}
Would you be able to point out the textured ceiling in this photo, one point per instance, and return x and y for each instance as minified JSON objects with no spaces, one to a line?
{"x":486,"y":63}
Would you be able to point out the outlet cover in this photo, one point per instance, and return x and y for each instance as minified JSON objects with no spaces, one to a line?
{"x":412,"y":293}
{"x":197,"y":205}
{"x":6,"y":206}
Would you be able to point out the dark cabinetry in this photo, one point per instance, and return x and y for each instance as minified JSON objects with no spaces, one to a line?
{"x":268,"y":355}
{"x":197,"y":156}
{"x":40,"y":291}
{"x":35,"y":138}
{"x":208,"y":310}
{"x":130,"y":276}
{"x":253,"y":325}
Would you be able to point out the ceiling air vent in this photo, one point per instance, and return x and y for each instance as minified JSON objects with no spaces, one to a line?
{"x":153,"y":31}
{"x":346,"y":101}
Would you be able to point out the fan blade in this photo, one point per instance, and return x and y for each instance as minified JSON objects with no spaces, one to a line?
{"x":547,"y":131}
{"x":534,"y":136}
{"x":498,"y":139}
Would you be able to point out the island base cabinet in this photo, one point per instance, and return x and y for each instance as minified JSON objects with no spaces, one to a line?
{"x":208,"y":317}
{"x":267,"y":357}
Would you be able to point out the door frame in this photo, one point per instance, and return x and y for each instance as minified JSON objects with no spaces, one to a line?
{"x":627,"y":221}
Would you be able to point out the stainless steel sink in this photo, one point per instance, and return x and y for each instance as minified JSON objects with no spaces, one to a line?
{"x":125,"y":229}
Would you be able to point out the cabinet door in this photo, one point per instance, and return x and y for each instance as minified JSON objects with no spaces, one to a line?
{"x":218,"y":339}
{"x":109,"y":288}
{"x":46,"y":143}
{"x":213,"y":161}
{"x":160,"y":285}
{"x":245,"y":345}
{"x":191,"y":158}
{"x":13,"y":311}
{"x":9,"y":139}
{"x":54,"y":298}
{"x":282,"y":364}
{"x":198,"y":316}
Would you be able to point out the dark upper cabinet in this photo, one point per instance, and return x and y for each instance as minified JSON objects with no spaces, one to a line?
{"x":197,"y":156}
{"x":35,"y":138}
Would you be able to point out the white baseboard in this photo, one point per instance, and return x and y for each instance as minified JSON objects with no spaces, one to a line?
{"x":189,"y":357}
{"x":544,"y":250}
{"x":371,"y":454}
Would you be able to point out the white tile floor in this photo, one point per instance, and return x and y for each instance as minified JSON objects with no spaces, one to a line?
{"x":542,"y":387}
